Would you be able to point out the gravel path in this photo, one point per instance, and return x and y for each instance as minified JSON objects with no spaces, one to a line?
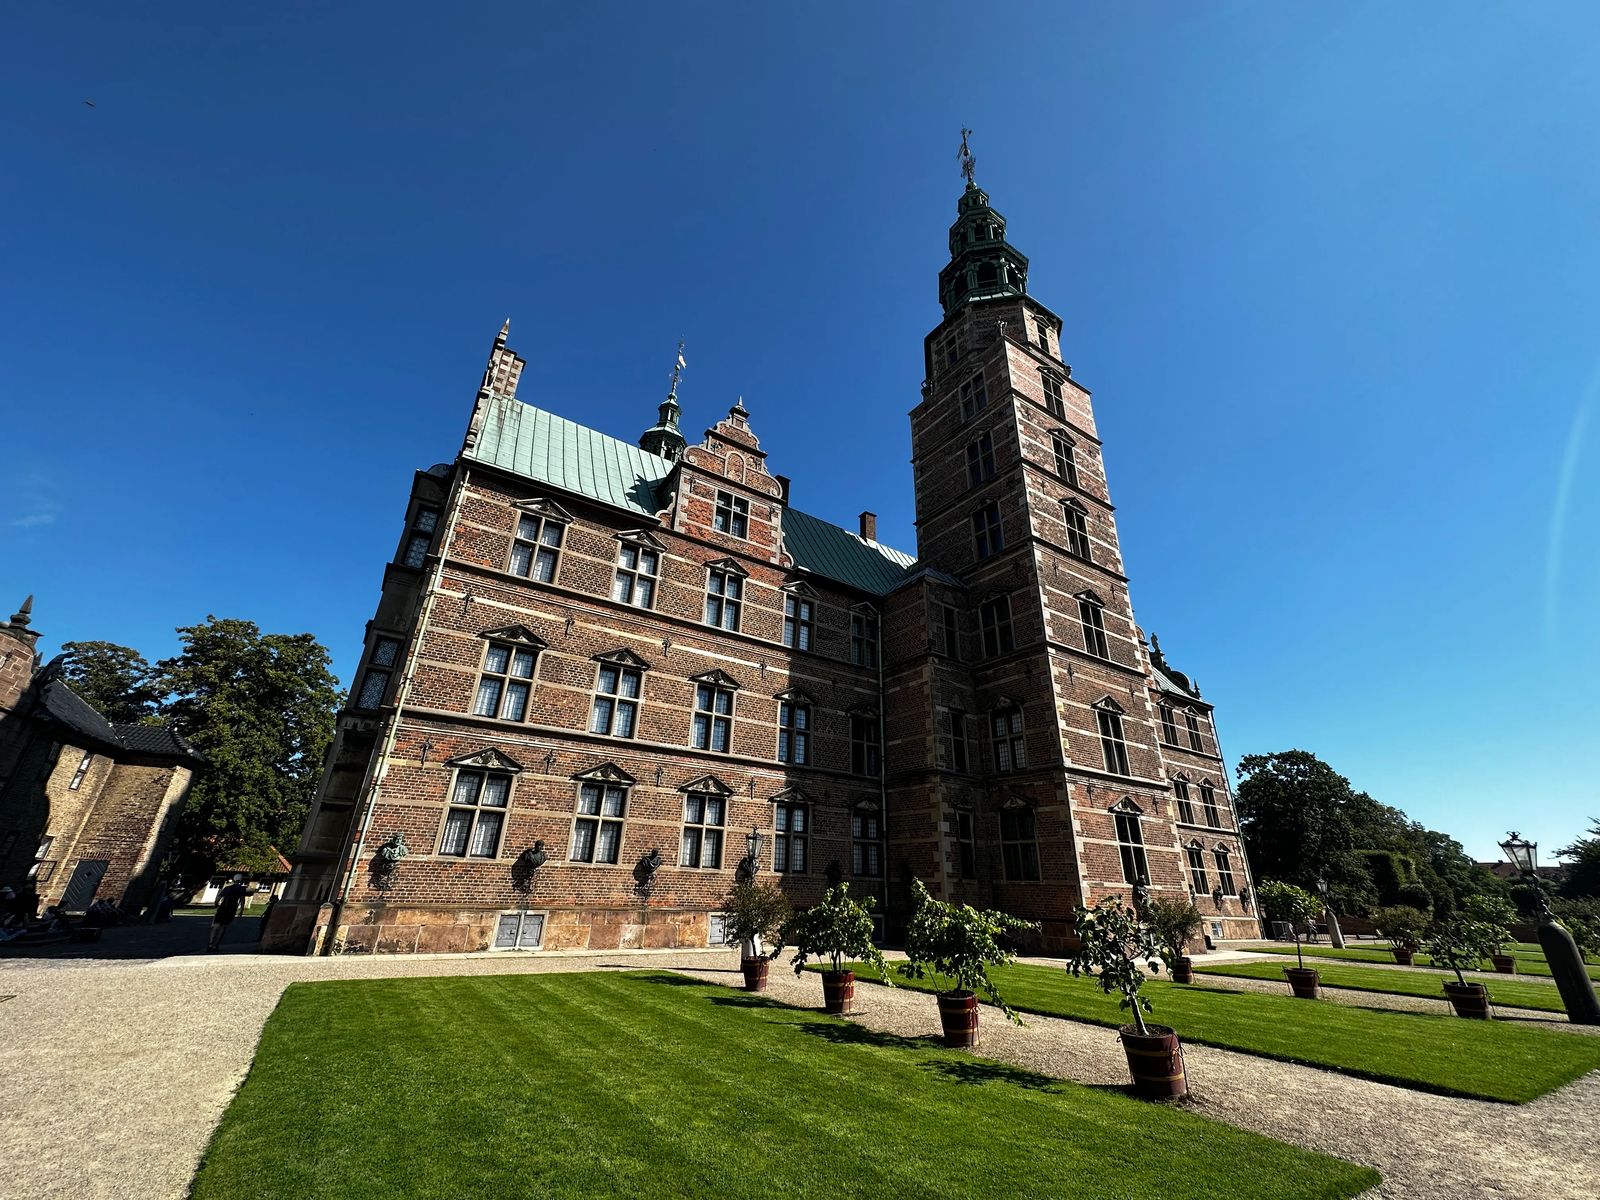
{"x":1427,"y":1147}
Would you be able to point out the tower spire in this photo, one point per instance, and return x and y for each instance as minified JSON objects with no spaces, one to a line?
{"x":983,"y":265}
{"x":664,"y":437}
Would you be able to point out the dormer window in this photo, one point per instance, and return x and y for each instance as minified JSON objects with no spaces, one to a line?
{"x":732,"y":515}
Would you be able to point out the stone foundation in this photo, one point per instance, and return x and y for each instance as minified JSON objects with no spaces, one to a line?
{"x":412,"y":929}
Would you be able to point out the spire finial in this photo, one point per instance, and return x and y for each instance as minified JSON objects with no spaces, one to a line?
{"x":677,"y":371}
{"x":505,"y":331}
{"x":24,"y":615}
{"x":969,"y":165}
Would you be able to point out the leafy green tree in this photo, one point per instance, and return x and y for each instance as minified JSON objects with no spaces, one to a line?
{"x":1583,"y":871}
{"x":1302,"y":822}
{"x":1113,"y":941}
{"x":259,"y":707}
{"x":115,"y":679}
{"x":954,"y":945}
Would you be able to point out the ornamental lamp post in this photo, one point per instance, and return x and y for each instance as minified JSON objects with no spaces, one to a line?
{"x":745,"y":872}
{"x":1335,"y":934}
{"x":1560,"y":951}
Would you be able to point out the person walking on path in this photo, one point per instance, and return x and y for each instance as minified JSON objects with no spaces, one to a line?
{"x":228,"y":904}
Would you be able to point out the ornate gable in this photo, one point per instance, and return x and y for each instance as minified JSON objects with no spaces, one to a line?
{"x":789,"y":796}
{"x":485,"y":760}
{"x":794,"y":696}
{"x":605,"y":773}
{"x":1089,"y":595}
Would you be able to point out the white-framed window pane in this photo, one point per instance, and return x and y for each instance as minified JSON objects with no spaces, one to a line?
{"x":551,"y":534}
{"x":589,"y":799}
{"x":690,"y":854}
{"x":702,"y":731}
{"x":522,"y":664}
{"x":711,"y":852}
{"x":694,"y":809}
{"x":516,"y":702}
{"x":630,"y":684}
{"x":495,"y":661}
{"x":545,"y":566}
{"x":521,"y":558}
{"x":608,"y":678}
{"x":714,"y":810}
{"x":719,"y":735}
{"x":647,"y":592}
{"x":600,"y":722}
{"x":527,"y":529}
{"x":622,"y":588}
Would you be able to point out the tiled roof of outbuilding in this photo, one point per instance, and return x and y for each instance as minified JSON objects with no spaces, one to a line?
{"x":63,"y":704}
{"x":161,"y":740}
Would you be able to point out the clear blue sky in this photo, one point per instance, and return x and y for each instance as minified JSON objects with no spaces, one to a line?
{"x":1330,"y":271}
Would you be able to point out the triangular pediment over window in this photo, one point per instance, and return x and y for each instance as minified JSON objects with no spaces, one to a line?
{"x":605,"y":773}
{"x":641,"y":537}
{"x":623,"y":658}
{"x":794,"y":696}
{"x":788,"y":796}
{"x":1073,"y":502}
{"x":539,"y":506}
{"x":728,"y":565}
{"x":1090,"y":597}
{"x":1222,"y":848}
{"x":1107,"y":704}
{"x":798,"y":587}
{"x":718,"y":678}
{"x":1015,"y":802}
{"x":1126,"y":805}
{"x":519,"y":634}
{"x":485,"y":760}
{"x":707,"y":783}
{"x":1196,"y":844}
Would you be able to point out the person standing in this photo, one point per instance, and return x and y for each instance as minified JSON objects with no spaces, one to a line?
{"x":228,"y":903}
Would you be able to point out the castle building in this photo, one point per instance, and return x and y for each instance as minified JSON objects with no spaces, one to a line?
{"x":603,"y":680}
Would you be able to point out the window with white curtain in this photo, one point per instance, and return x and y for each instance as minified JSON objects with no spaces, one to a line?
{"x":597,"y":830}
{"x":477,"y":814}
{"x":505,"y":683}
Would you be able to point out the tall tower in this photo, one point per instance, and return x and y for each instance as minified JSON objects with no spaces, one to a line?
{"x":1051,"y":787}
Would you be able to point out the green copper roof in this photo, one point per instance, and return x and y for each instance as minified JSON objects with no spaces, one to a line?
{"x":541,"y":446}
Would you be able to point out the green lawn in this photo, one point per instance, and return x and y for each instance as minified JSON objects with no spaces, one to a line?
{"x":1527,"y":964}
{"x":652,"y":1084}
{"x":1486,"y":1060}
{"x":1400,"y":983}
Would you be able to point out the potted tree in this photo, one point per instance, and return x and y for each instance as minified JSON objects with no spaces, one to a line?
{"x":837,"y":930}
{"x":754,"y":915}
{"x":1117,"y":948}
{"x":1497,"y":914}
{"x":1462,"y":944}
{"x":954,"y":945}
{"x":1175,"y":923}
{"x":1298,"y":907}
{"x":1405,"y":928}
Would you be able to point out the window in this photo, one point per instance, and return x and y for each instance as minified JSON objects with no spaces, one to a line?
{"x":1197,"y":869}
{"x":1052,"y":393}
{"x":980,"y":460}
{"x":949,"y":623}
{"x":518,"y":931}
{"x":947,"y":353}
{"x":1019,"y":847}
{"x":1192,"y":722}
{"x":1208,"y":804}
{"x":794,"y":732}
{"x":1169,"y":727}
{"x":717,"y":930}
{"x":1180,"y":789}
{"x":1044,"y":335}
{"x":789,"y":838}
{"x":1113,"y":745}
{"x":959,"y":750}
{"x":966,"y":845}
{"x":713,"y":717}
{"x":637,"y":568}
{"x":724,"y":598}
{"x":380,"y":668}
{"x":1225,"y":872}
{"x":704,"y":814}
{"x":864,"y":639}
{"x":798,"y":622}
{"x":987,"y":537}
{"x":616,"y":700}
{"x":506,"y":681}
{"x":476,"y":815}
{"x":1130,"y":841}
{"x":82,"y":770}
{"x":973,"y":397}
{"x":1077,"y":529}
{"x":994,"y":620}
{"x":732,"y":515}
{"x":1094,"y":628}
{"x":864,"y":748}
{"x":1066,"y":458}
{"x":536,"y":547}
{"x":420,"y":537}
{"x":1010,"y":749}
{"x":866,"y":849}
{"x":597,"y":831}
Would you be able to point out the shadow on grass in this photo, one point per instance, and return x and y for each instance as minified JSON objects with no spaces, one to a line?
{"x":667,"y":979}
{"x":975,"y":1071}
{"x":843,"y":1033}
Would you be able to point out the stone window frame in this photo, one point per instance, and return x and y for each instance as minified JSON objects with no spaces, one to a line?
{"x":418,"y":541}
{"x":1191,"y":724}
{"x":1092,"y":622}
{"x":787,"y":804}
{"x":866,"y":752}
{"x":966,"y":844}
{"x":383,"y":657}
{"x":1113,"y":735}
{"x":795,"y":727}
{"x":713,"y":685}
{"x":950,"y":630}
{"x":1169,"y":726}
{"x":730,"y":515}
{"x":996,"y":630}
{"x":1222,"y":855}
{"x":988,"y":530}
{"x":799,"y":617}
{"x":1127,"y":822}
{"x":973,"y":395}
{"x":601,"y":782}
{"x":704,"y":790}
{"x":1065,"y":451}
{"x":627,"y":665}
{"x":630,"y":578}
{"x":522,"y":916}
{"x":1195,"y":853}
{"x":866,"y":636}
{"x":866,"y":840}
{"x":1209,"y":806}
{"x":730,"y":599}
{"x":980,"y":459}
{"x":1075,"y":515}
{"x":81,"y":771}
{"x":514,"y":640}
{"x":1018,"y":826}
{"x":485,"y":765}
{"x":1008,"y":736}
{"x":533,"y":544}
{"x":960,"y":742}
{"x":1053,"y":385}
{"x":1182,"y":800}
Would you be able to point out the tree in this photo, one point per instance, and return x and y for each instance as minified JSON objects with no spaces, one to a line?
{"x":260,"y":708}
{"x":1299,"y":818}
{"x":115,"y":679}
{"x":1583,"y":874}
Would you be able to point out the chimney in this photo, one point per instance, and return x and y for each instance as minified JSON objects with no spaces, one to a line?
{"x":869,"y":526}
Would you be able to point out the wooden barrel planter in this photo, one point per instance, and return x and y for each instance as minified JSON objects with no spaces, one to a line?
{"x":1506,"y":964}
{"x":755,"y":973}
{"x":839,"y":992}
{"x":1470,"y":1000}
{"x":1155,"y":1061}
{"x":958,"y":1015}
{"x":1183,"y":971}
{"x":1402,"y":955}
{"x":1303,"y":982}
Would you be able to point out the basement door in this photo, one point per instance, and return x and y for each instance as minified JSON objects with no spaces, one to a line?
{"x":86,"y":878}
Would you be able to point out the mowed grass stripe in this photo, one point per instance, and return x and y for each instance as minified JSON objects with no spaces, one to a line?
{"x":651,"y":1084}
{"x":1484,"y":1060}
{"x":1526,"y":964}
{"x":1540,"y":996}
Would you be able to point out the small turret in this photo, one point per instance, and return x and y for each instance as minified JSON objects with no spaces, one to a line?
{"x":664,"y":437}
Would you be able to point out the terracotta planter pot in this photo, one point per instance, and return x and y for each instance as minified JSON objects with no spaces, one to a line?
{"x":755,"y":973}
{"x":1183,"y":970}
{"x":1506,"y":964}
{"x":958,"y":1014}
{"x":1402,"y":955}
{"x":839,"y":992}
{"x":1470,"y":1000}
{"x":1303,"y":982}
{"x":1155,"y":1062}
